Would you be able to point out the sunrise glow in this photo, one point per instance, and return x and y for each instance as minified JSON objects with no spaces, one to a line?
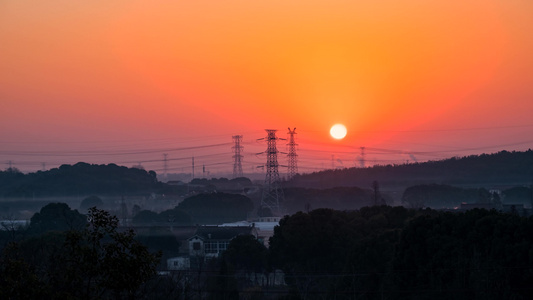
{"x":93,"y":77}
{"x":338,"y":131}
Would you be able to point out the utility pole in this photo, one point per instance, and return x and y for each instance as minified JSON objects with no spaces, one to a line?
{"x":375,"y":187}
{"x":237,"y":156}
{"x":165,"y":166}
{"x":193,"y":167}
{"x":378,"y":200}
{"x":293,"y":163}
{"x":362,"y":157}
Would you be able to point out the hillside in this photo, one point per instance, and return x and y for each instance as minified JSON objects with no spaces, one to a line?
{"x":502,"y":168}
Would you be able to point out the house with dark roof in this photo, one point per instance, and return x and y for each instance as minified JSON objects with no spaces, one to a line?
{"x":210,"y":241}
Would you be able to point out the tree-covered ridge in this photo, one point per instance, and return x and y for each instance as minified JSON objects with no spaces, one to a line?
{"x":56,"y":217}
{"x":499,"y":168}
{"x":78,"y":179}
{"x":174,"y":217}
{"x":342,"y":198}
{"x":326,"y":241}
{"x":439,"y":196}
{"x":223,"y":184}
{"x":216,"y":208}
{"x":442,"y":196}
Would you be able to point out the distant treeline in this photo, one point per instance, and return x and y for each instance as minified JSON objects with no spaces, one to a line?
{"x":208,"y":208}
{"x":88,"y":179}
{"x":78,"y":179}
{"x":342,"y":198}
{"x":446,"y":196}
{"x":504,"y":167}
{"x":222,"y":183}
{"x":303,"y":191}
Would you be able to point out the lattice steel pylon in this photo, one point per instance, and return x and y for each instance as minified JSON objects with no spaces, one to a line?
{"x":237,"y":156}
{"x":362,"y":160}
{"x":293,"y":157}
{"x":272,"y":192}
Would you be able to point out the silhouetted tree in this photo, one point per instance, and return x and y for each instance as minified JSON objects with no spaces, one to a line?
{"x":246,"y":253}
{"x":98,"y":262}
{"x":135,"y":210}
{"x":223,"y":286}
{"x":478,"y":254}
{"x":56,"y":217}
{"x":518,"y":195}
{"x":217,"y":207}
{"x":18,"y":279}
{"x":297,"y":199}
{"x":175,"y":216}
{"x":323,"y":252}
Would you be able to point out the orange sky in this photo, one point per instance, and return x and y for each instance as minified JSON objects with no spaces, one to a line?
{"x":117,"y":76}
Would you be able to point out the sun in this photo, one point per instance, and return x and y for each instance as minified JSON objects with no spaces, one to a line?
{"x":338,"y":131}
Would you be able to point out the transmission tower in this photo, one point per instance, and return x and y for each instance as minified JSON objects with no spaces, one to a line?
{"x":193,"y":167}
{"x":272,"y":192}
{"x":293,"y":163}
{"x":237,"y":156}
{"x":362,"y":157}
{"x":378,"y":200}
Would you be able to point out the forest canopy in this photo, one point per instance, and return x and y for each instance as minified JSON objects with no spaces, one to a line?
{"x":78,"y":179}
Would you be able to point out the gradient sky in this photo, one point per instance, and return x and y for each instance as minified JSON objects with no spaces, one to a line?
{"x":125,"y":81}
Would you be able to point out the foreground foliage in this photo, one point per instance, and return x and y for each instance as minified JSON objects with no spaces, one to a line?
{"x":378,"y":252}
{"x":98,"y":262}
{"x":395,"y":253}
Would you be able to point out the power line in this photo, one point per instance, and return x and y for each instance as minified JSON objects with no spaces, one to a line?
{"x":107,"y":153}
{"x":214,"y":154}
{"x":165,"y":165}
